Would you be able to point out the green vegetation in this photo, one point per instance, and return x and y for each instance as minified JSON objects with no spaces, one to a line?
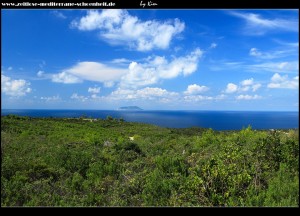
{"x":94,"y":162}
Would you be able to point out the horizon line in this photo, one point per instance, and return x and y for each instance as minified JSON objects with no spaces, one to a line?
{"x":151,"y":110}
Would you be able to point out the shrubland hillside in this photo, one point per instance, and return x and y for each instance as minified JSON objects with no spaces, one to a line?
{"x":110,"y":162}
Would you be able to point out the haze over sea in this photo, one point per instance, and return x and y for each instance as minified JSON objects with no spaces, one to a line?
{"x":217,"y":120}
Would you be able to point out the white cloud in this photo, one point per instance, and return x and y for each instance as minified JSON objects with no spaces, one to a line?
{"x":195,"y":89}
{"x":109,"y":84}
{"x":254,"y":52}
{"x":145,"y":93}
{"x":92,"y":71}
{"x":58,"y":14}
{"x":120,"y":61}
{"x":277,"y":78}
{"x":247,"y":82}
{"x":15,"y":88}
{"x":220,"y":97}
{"x":154,"y":92}
{"x":196,"y":98}
{"x":244,"y":86}
{"x":177,"y":48}
{"x":213,"y":45}
{"x":42,"y":64}
{"x":65,"y":77}
{"x":40,"y":73}
{"x":139,"y":75}
{"x":10,"y":68}
{"x":83,"y":98}
{"x":159,"y":95}
{"x":258,"y":25}
{"x":121,"y":94}
{"x":231,"y":88}
{"x":95,"y":71}
{"x":95,"y":20}
{"x":95,"y":90}
{"x":248,"y":97}
{"x":148,"y":71}
{"x":118,"y":27}
{"x":284,"y":82}
{"x":51,"y":98}
{"x":79,"y":97}
{"x":255,"y":87}
{"x":156,"y":68}
{"x":94,"y":96}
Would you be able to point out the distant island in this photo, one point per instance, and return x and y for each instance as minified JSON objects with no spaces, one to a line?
{"x":130,"y":108}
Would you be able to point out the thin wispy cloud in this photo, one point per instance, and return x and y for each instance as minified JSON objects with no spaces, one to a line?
{"x":58,"y":14}
{"x":264,"y":65}
{"x":285,"y":43}
{"x":255,"y":52}
{"x":221,"y":64}
{"x":121,"y":61}
{"x":278,"y":66}
{"x":255,"y":24}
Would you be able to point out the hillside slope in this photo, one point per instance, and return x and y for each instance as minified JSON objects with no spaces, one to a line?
{"x":82,"y":162}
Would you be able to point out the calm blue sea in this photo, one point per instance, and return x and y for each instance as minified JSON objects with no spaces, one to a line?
{"x":217,"y":120}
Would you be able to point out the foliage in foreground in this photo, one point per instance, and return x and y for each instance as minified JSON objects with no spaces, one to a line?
{"x":86,"y":162}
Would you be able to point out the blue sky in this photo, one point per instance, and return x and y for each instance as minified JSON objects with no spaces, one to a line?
{"x":155,"y":59}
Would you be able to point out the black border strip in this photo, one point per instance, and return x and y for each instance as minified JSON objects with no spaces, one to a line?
{"x":151,"y":4}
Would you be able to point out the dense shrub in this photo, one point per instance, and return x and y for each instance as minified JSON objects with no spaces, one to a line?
{"x":110,"y":162}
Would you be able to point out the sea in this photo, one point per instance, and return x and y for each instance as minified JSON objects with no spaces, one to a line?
{"x":217,"y":120}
